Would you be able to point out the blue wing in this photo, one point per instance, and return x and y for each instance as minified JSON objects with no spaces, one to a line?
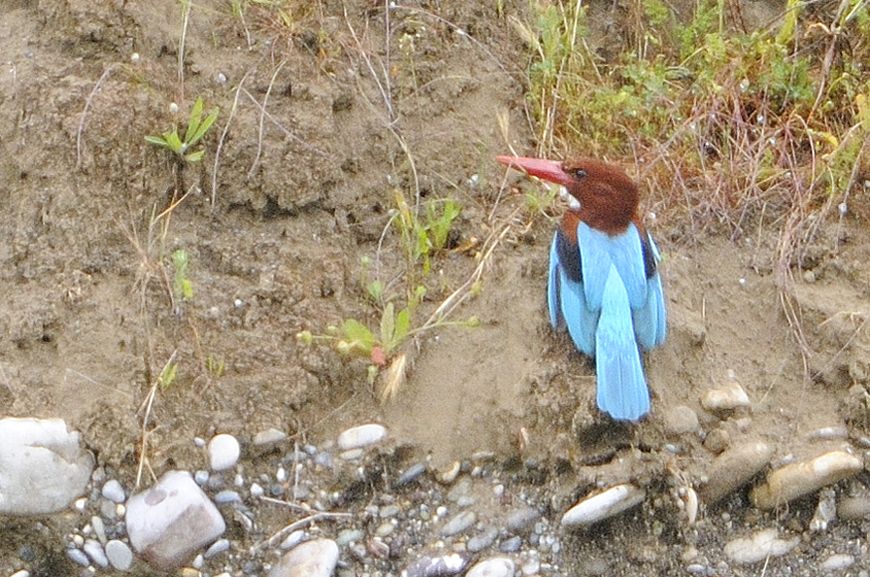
{"x":650,"y":321}
{"x":566,"y":299}
{"x":556,"y":320}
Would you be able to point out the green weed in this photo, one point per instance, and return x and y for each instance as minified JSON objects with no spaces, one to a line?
{"x":198,"y":124}
{"x":182,"y":284}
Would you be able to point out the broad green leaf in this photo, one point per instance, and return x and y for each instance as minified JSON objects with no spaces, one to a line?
{"x":403,"y":325}
{"x":157,"y":141}
{"x":193,"y":120}
{"x":174,"y":141}
{"x":359,"y":335}
{"x":203,"y":128}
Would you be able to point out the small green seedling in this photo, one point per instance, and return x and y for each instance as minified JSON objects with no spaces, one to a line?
{"x":167,"y":376}
{"x":183,"y":285}
{"x":197,"y":126}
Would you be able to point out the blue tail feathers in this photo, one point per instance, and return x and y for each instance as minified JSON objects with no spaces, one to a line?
{"x":622,"y":390}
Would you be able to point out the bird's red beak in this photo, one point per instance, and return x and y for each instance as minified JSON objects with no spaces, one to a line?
{"x":548,"y":170}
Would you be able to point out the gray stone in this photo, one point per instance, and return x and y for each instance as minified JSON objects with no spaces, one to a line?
{"x":216,"y":548}
{"x":113,"y":491}
{"x":78,"y":557}
{"x":482,"y":540}
{"x":437,"y":566}
{"x":522,"y":520}
{"x":837,"y":562}
{"x":758,"y":547}
{"x":681,"y":420}
{"x":459,"y":523}
{"x":495,"y":567}
{"x":362,"y":436}
{"x":95,"y":551}
{"x":170,"y":521}
{"x":42,"y":466}
{"x":316,"y":558}
{"x":119,"y":554}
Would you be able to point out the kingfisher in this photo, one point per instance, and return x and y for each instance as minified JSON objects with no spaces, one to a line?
{"x":603,"y":281}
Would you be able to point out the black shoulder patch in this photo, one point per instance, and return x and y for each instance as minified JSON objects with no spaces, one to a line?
{"x":649,"y":259}
{"x":569,"y":257}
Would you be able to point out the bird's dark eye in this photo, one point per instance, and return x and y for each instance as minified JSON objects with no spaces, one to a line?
{"x":579,"y":173}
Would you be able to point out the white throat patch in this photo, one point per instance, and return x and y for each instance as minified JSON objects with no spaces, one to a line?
{"x":573,"y":203}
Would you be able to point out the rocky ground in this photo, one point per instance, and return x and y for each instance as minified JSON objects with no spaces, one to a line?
{"x":494,"y":439}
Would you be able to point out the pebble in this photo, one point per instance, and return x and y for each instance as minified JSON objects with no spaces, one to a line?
{"x":728,"y":397}
{"x":43,"y":468}
{"x":602,"y":505}
{"x":347,"y":536}
{"x":522,"y":520}
{"x":448,"y":474}
{"x":681,"y":420}
{"x":316,"y":558}
{"x":201,"y":477}
{"x":119,"y":555}
{"x":759,"y":546}
{"x":268,"y":440}
{"x":411,"y":474}
{"x":216,"y":548}
{"x":22,"y":573}
{"x":837,"y":562}
{"x":829,"y":433}
{"x":717,"y":440}
{"x":851,"y":508}
{"x":798,"y":479}
{"x":734,"y":468}
{"x":482,"y":540}
{"x":170,"y":521}
{"x":437,"y":566}
{"x":227,"y":497}
{"x":511,"y":545}
{"x":78,"y":557}
{"x":293,"y":539}
{"x":361,"y":436}
{"x":113,"y":491}
{"x":99,"y":528}
{"x":495,"y":567}
{"x":826,"y":511}
{"x":223,"y":452}
{"x":95,"y":551}
{"x":459,"y":523}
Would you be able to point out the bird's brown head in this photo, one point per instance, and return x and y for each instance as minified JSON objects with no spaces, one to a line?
{"x":607,"y":197}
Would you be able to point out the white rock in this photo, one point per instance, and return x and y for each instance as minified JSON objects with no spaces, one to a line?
{"x":759,"y":547}
{"x":735,"y":467}
{"x":310,"y":559}
{"x":837,"y":562}
{"x":169,"y":522}
{"x":119,"y":554}
{"x":95,"y":552}
{"x":727,"y":397}
{"x":798,"y":479}
{"x":606,"y":504}
{"x":223,"y":452}
{"x":42,"y":467}
{"x":495,"y":567}
{"x":113,"y":491}
{"x":361,"y":436}
{"x":22,"y":573}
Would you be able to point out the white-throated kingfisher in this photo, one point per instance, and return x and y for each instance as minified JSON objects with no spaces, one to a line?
{"x":603,"y":283}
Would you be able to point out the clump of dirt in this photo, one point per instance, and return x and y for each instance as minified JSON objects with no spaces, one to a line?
{"x":319,"y":126}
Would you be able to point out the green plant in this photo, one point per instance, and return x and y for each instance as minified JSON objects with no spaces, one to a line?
{"x":422,"y":237}
{"x":167,"y":375}
{"x":198,"y":124}
{"x":182,"y":285}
